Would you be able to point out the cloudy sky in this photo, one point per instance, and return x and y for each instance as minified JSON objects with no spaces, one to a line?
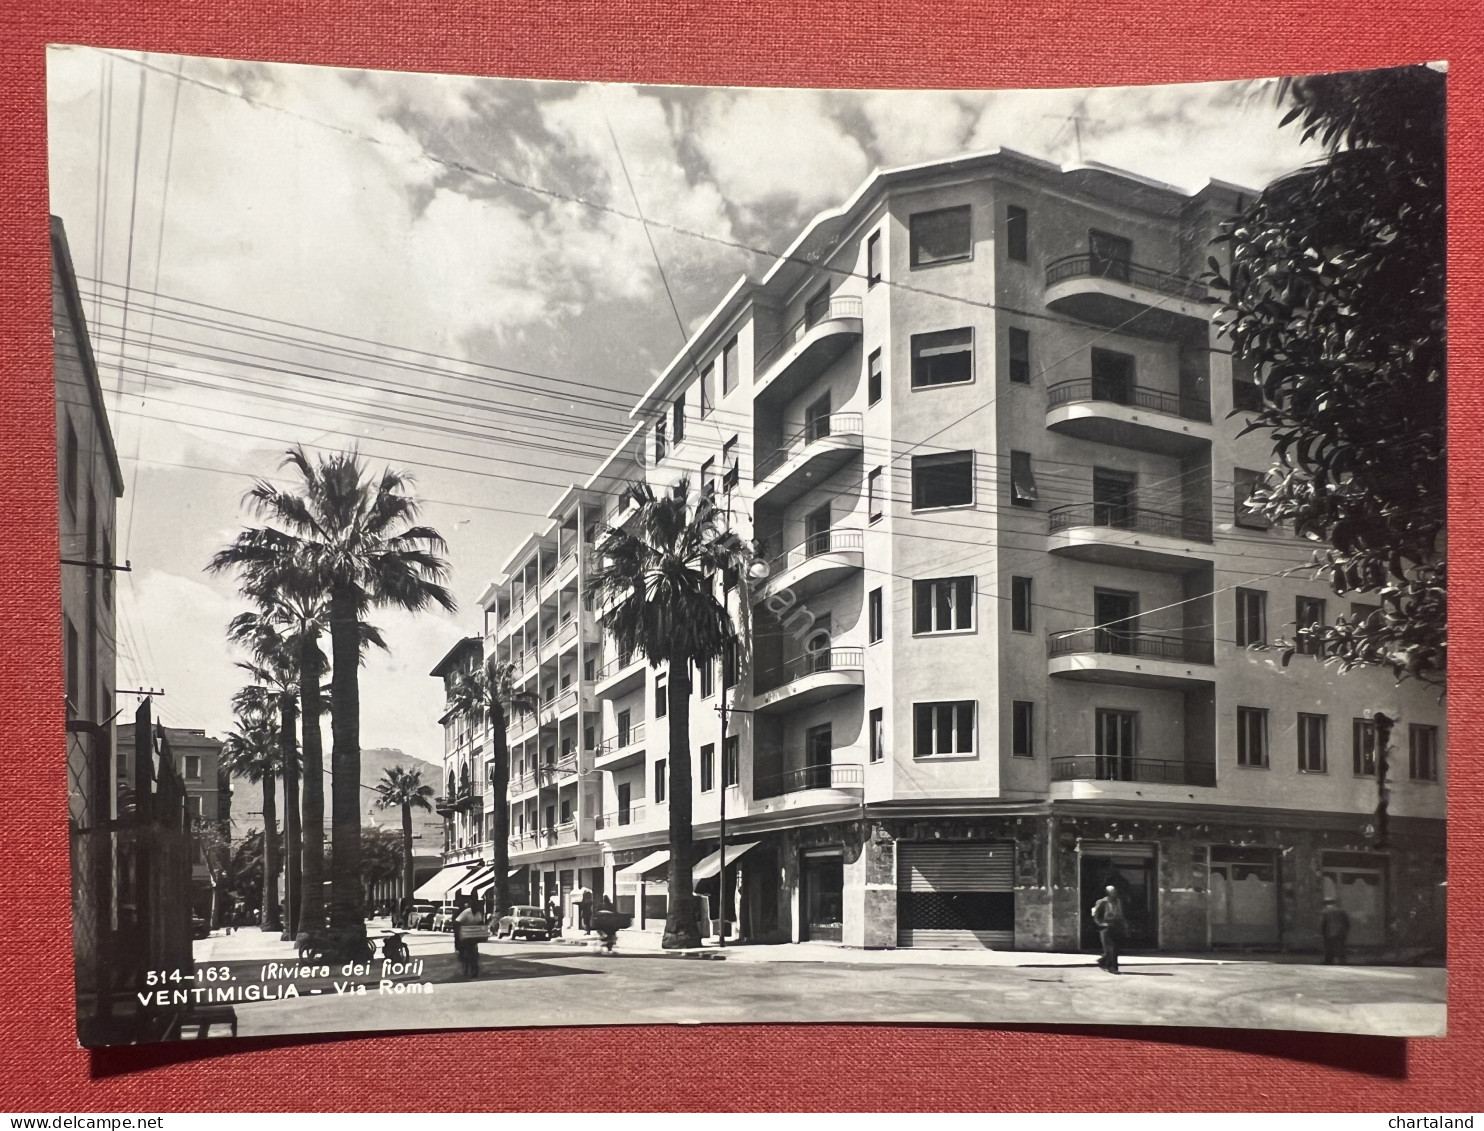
{"x":452,"y":273}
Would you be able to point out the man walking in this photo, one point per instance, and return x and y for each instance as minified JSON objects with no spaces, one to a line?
{"x":1107,"y":915}
{"x":1334,"y":929}
{"x":582,"y":898}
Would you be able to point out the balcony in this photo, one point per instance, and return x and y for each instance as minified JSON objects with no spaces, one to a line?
{"x":621,"y":749}
{"x":1132,"y":658}
{"x":1090,"y":777}
{"x":807,"y":458}
{"x":621,"y":820}
{"x":1121,"y":534}
{"x":1129,"y":416}
{"x":521,"y":785}
{"x":839,"y":783}
{"x":619,"y":676}
{"x":806,"y":349}
{"x":820,"y":561}
{"x":810,"y":678}
{"x":1134,"y":298}
{"x":567,"y":702}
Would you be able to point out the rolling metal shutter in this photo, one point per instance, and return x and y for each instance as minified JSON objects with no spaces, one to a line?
{"x":956,"y":896}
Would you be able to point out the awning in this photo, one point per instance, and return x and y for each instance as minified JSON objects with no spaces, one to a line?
{"x":437,"y":887}
{"x":471,"y":883}
{"x":712,"y":864}
{"x":516,"y":871}
{"x":635,"y":872}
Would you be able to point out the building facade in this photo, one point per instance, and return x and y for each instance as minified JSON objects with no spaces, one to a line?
{"x":1014,"y":637}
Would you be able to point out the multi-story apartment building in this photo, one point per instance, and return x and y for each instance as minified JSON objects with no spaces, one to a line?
{"x":1010,"y":643}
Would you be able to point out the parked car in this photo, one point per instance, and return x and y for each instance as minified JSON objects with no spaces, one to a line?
{"x":200,"y":928}
{"x":523,"y":921}
{"x":443,"y":920}
{"x":420,"y":916}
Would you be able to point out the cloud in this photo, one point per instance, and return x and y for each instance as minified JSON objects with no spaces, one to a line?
{"x":908,"y":126}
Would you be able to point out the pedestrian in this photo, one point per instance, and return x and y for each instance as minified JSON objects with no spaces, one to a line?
{"x":607,"y":921}
{"x":1107,"y":914}
{"x":582,"y":899}
{"x":469,"y":931}
{"x":554,"y":912}
{"x":1334,"y":929}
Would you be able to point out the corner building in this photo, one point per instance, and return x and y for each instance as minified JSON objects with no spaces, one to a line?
{"x":1008,"y":648}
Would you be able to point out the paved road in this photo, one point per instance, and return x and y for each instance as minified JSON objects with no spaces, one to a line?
{"x":530,"y":984}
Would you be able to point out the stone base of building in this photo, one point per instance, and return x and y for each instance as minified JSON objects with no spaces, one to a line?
{"x":1199,"y":881}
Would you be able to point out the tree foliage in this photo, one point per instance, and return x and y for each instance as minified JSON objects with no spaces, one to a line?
{"x":1336,"y":301}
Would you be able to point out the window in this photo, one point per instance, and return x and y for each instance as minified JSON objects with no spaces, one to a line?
{"x":878,"y":734}
{"x":873,"y":494}
{"x":945,"y":480}
{"x":708,"y":387}
{"x":940,"y":237}
{"x":1112,"y":375}
{"x":70,"y":465}
{"x":1422,"y":743}
{"x":1363,"y":747}
{"x":874,"y":616}
{"x":1252,"y":617}
{"x":590,"y":668}
{"x":1252,"y":737}
{"x":1313,"y":758}
{"x":873,"y":259}
{"x":1020,"y":604}
{"x":566,"y":810}
{"x":944,"y":604}
{"x":873,"y":377}
{"x":74,"y":665}
{"x":1246,"y":392}
{"x":679,"y":418}
{"x":707,"y":673}
{"x":192,"y":767}
{"x":1308,"y":613}
{"x":105,"y":582}
{"x":731,"y":761}
{"x":1022,"y":480}
{"x":730,"y":470}
{"x":121,"y":766}
{"x":1244,"y":482}
{"x":729,"y":664}
{"x":1017,"y":229}
{"x":729,"y":367}
{"x":1020,"y":355}
{"x":625,"y":727}
{"x":661,"y":698}
{"x":1022,"y":729}
{"x":589,"y":736}
{"x":661,"y":444}
{"x":193,"y":806}
{"x":943,"y":728}
{"x":945,"y":357}
{"x":1109,"y":255}
{"x":708,"y":767}
{"x":661,"y":767}
{"x":708,"y":475}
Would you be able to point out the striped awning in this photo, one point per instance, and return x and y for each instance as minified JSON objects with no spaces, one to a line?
{"x":473,"y":882}
{"x":436,"y":889}
{"x":712,"y":864}
{"x":635,"y":872}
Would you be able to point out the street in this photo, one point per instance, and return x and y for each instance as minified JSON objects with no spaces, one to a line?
{"x":533,"y":984}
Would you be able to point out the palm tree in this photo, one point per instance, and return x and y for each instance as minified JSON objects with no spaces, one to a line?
{"x":404,"y":789}
{"x":351,"y":538}
{"x":489,"y":695}
{"x":658,"y":572}
{"x":251,"y":751}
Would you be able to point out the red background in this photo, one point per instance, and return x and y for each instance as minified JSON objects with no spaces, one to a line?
{"x":824,"y":43}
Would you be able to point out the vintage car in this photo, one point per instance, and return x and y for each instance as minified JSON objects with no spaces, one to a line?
{"x":523,"y":921}
{"x":420,"y":916}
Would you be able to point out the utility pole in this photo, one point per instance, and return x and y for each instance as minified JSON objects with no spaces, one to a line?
{"x":1384,"y":724}
{"x":721,"y":873}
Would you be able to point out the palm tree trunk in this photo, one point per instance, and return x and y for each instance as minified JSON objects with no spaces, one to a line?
{"x":500,"y":823}
{"x":312,"y":829}
{"x":345,"y":762}
{"x":288,"y":716}
{"x":271,"y":919}
{"x":407,"y":873}
{"x":680,"y":924}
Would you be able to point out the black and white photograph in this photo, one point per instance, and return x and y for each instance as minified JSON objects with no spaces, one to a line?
{"x":548,"y":553}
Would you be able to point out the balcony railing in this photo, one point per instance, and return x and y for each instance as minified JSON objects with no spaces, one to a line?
{"x":1126,"y":516}
{"x":616,"y":742}
{"x":841,"y":306}
{"x":614,"y":666}
{"x":1121,"y":270}
{"x":835,"y":775}
{"x":633,"y":815}
{"x":810,"y":663}
{"x":835,"y":424}
{"x":1133,"y":396}
{"x":824,"y":542}
{"x":1115,"y":641}
{"x":1156,"y":771}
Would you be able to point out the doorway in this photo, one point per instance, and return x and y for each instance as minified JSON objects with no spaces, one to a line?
{"x":1116,"y":744}
{"x":1358,"y":881}
{"x":1115,"y":613}
{"x":817,"y":531}
{"x":1112,"y":376}
{"x":817,"y":419}
{"x":1114,"y":497}
{"x":818,"y":753}
{"x":1131,"y":870}
{"x":1109,"y":255}
{"x":822,"y":899}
